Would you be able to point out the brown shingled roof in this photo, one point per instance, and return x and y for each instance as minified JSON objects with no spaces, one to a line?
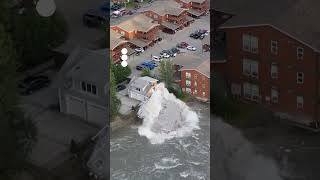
{"x":115,"y":39}
{"x":165,"y":7}
{"x":138,"y":23}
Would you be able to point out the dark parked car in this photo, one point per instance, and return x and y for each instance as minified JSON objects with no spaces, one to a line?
{"x":34,"y":83}
{"x":96,"y":17}
{"x":182,"y":45}
{"x":139,"y":67}
{"x":115,"y":7}
{"x":120,"y":87}
{"x":175,"y":50}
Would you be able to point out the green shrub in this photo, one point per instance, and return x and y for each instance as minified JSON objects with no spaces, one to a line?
{"x":120,"y":73}
{"x":146,"y":72}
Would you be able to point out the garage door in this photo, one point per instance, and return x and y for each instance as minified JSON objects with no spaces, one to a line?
{"x":97,"y":114}
{"x":75,"y":106}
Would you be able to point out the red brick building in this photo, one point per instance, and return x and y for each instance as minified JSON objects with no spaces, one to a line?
{"x":193,"y":75}
{"x":117,"y":42}
{"x":169,"y":14}
{"x":196,"y":7}
{"x":272,"y":58}
{"x":140,"y":31}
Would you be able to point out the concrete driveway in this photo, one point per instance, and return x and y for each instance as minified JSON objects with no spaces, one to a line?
{"x":55,"y":130}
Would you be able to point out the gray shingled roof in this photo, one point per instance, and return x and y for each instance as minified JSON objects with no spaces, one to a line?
{"x":91,"y":66}
{"x":298,"y":18}
{"x":191,"y":61}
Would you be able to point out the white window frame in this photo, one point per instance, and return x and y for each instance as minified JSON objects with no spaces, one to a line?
{"x":195,"y":92}
{"x":274,"y":47}
{"x":300,"y":102}
{"x":188,"y":83}
{"x":250,"y":67}
{"x":86,"y":88}
{"x":188,"y":90}
{"x":274,"y":71}
{"x":250,"y":43}
{"x":188,"y":75}
{"x":300,"y":77}
{"x":300,"y":52}
{"x":274,"y":95}
{"x":251,"y":91}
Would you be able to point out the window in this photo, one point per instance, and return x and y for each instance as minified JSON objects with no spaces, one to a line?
{"x":255,"y":92}
{"x":196,"y":76}
{"x":188,"y":90}
{"x":203,"y":86}
{"x":188,"y":83}
{"x":195,"y":83}
{"x":250,"y":43}
{"x":274,"y":71}
{"x":274,"y":47}
{"x":300,"y":52}
{"x":90,"y":88}
{"x":188,"y":75}
{"x":195,"y":92}
{"x":94,"y":89}
{"x":300,"y":77}
{"x":299,"y":102}
{"x":251,"y":91}
{"x":203,"y":93}
{"x":274,"y":96}
{"x":83,"y":86}
{"x":250,"y":67}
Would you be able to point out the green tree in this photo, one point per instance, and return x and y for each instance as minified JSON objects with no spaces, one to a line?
{"x":17,"y":133}
{"x":115,"y":102}
{"x":166,"y":73}
{"x":34,"y":36}
{"x":120,"y":73}
{"x":146,"y":72}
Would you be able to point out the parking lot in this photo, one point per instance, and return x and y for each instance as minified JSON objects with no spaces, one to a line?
{"x":171,"y":40}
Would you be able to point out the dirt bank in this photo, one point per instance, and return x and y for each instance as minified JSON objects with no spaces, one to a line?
{"x":123,"y":121}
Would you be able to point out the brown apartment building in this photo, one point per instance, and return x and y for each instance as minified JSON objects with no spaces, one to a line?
{"x":195,"y":8}
{"x":117,"y":42}
{"x":193,"y":75}
{"x":270,"y":56}
{"x":139,"y":31}
{"x":169,"y":14}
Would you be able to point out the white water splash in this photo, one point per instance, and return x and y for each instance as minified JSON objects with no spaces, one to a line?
{"x":166,"y":117}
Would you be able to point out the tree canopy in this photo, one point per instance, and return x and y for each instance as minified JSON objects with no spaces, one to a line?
{"x":17,"y":133}
{"x":166,"y":73}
